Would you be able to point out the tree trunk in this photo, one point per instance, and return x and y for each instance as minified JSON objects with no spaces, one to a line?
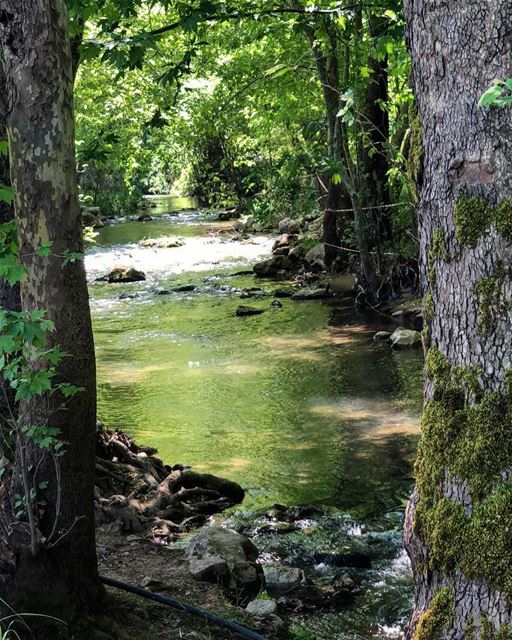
{"x":39,"y":90}
{"x":9,"y":296}
{"x":459,"y":519}
{"x":377,"y":122}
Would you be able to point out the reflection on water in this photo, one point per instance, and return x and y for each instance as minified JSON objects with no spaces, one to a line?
{"x":298,"y":404}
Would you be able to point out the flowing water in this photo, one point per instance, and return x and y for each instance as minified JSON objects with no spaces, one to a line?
{"x":298,"y":405}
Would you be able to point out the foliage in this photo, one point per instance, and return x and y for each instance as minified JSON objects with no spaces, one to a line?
{"x":499,"y":94}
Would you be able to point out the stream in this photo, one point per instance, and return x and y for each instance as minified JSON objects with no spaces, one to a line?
{"x":299,"y":404}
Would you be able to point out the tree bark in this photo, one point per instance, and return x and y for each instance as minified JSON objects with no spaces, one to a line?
{"x":458,"y":522}
{"x":39,"y":90}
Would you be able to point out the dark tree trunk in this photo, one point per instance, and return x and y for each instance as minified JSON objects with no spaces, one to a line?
{"x":39,"y":91}
{"x":459,"y":519}
{"x":377,"y":121}
{"x":9,"y":296}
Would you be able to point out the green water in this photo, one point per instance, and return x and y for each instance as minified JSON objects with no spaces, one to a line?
{"x":298,"y":404}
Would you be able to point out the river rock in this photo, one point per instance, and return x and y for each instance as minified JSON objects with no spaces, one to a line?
{"x":184,"y":288}
{"x":284,"y":241}
{"x":316,"y":253}
{"x":214,"y":549}
{"x":169,"y":242}
{"x":276,"y":304}
{"x":380,"y":336}
{"x":125,"y":274}
{"x":297,"y":253}
{"x":287,"y":225}
{"x":311,"y":293}
{"x":144,"y":217}
{"x":272,"y":266}
{"x":281,"y":580}
{"x":243,"y":310}
{"x":261,"y":607}
{"x":284,"y":293}
{"x":404,"y":338}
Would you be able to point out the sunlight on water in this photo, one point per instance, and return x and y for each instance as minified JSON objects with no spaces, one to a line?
{"x":290,"y":403}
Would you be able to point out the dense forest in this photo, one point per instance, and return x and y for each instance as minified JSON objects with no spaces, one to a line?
{"x":255,"y":286}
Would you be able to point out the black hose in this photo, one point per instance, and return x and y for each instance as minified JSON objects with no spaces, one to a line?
{"x":195,"y":611}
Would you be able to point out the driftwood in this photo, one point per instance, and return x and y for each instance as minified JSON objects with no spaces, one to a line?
{"x":137,"y":493}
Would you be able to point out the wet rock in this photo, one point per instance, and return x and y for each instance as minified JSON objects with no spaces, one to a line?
{"x":169,"y":242}
{"x":273,"y":266}
{"x":316,"y":253}
{"x":380,"y":336}
{"x":261,"y":607}
{"x":276,"y":304}
{"x":182,"y":288}
{"x":311,"y":293}
{"x":162,"y":292}
{"x":287,"y":225}
{"x":214,"y":549}
{"x":284,"y":293}
{"x":404,"y":338}
{"x":418,"y":322}
{"x":125,"y":274}
{"x":144,"y":217}
{"x":244,"y":224}
{"x":281,"y":580}
{"x":251,"y":292}
{"x":243,"y":310}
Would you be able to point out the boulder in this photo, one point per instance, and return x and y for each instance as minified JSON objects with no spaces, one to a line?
{"x":281,"y":580}
{"x":125,"y":274}
{"x":380,"y":336}
{"x":297,"y":252}
{"x":287,"y":225}
{"x":214,"y":549}
{"x":272,"y":266}
{"x":276,"y":304}
{"x":311,"y":293}
{"x":243,"y":310}
{"x":343,"y":283}
{"x":243,"y":224}
{"x":316,"y":253}
{"x":403,"y":338}
{"x":261,"y":607}
{"x":144,"y":217}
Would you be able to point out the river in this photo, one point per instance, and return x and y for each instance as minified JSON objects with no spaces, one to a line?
{"x":298,"y":404}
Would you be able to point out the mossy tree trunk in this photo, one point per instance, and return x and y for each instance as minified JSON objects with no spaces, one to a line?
{"x":459,"y":519}
{"x":39,"y":91}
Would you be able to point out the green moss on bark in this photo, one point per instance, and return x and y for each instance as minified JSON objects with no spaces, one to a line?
{"x":437,"y":617}
{"x":472,"y":217}
{"x":489,"y":298}
{"x":503,"y":218}
{"x":466,"y":440}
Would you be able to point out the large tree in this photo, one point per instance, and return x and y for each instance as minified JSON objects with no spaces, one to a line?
{"x":39,"y":95}
{"x":459,"y":520}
